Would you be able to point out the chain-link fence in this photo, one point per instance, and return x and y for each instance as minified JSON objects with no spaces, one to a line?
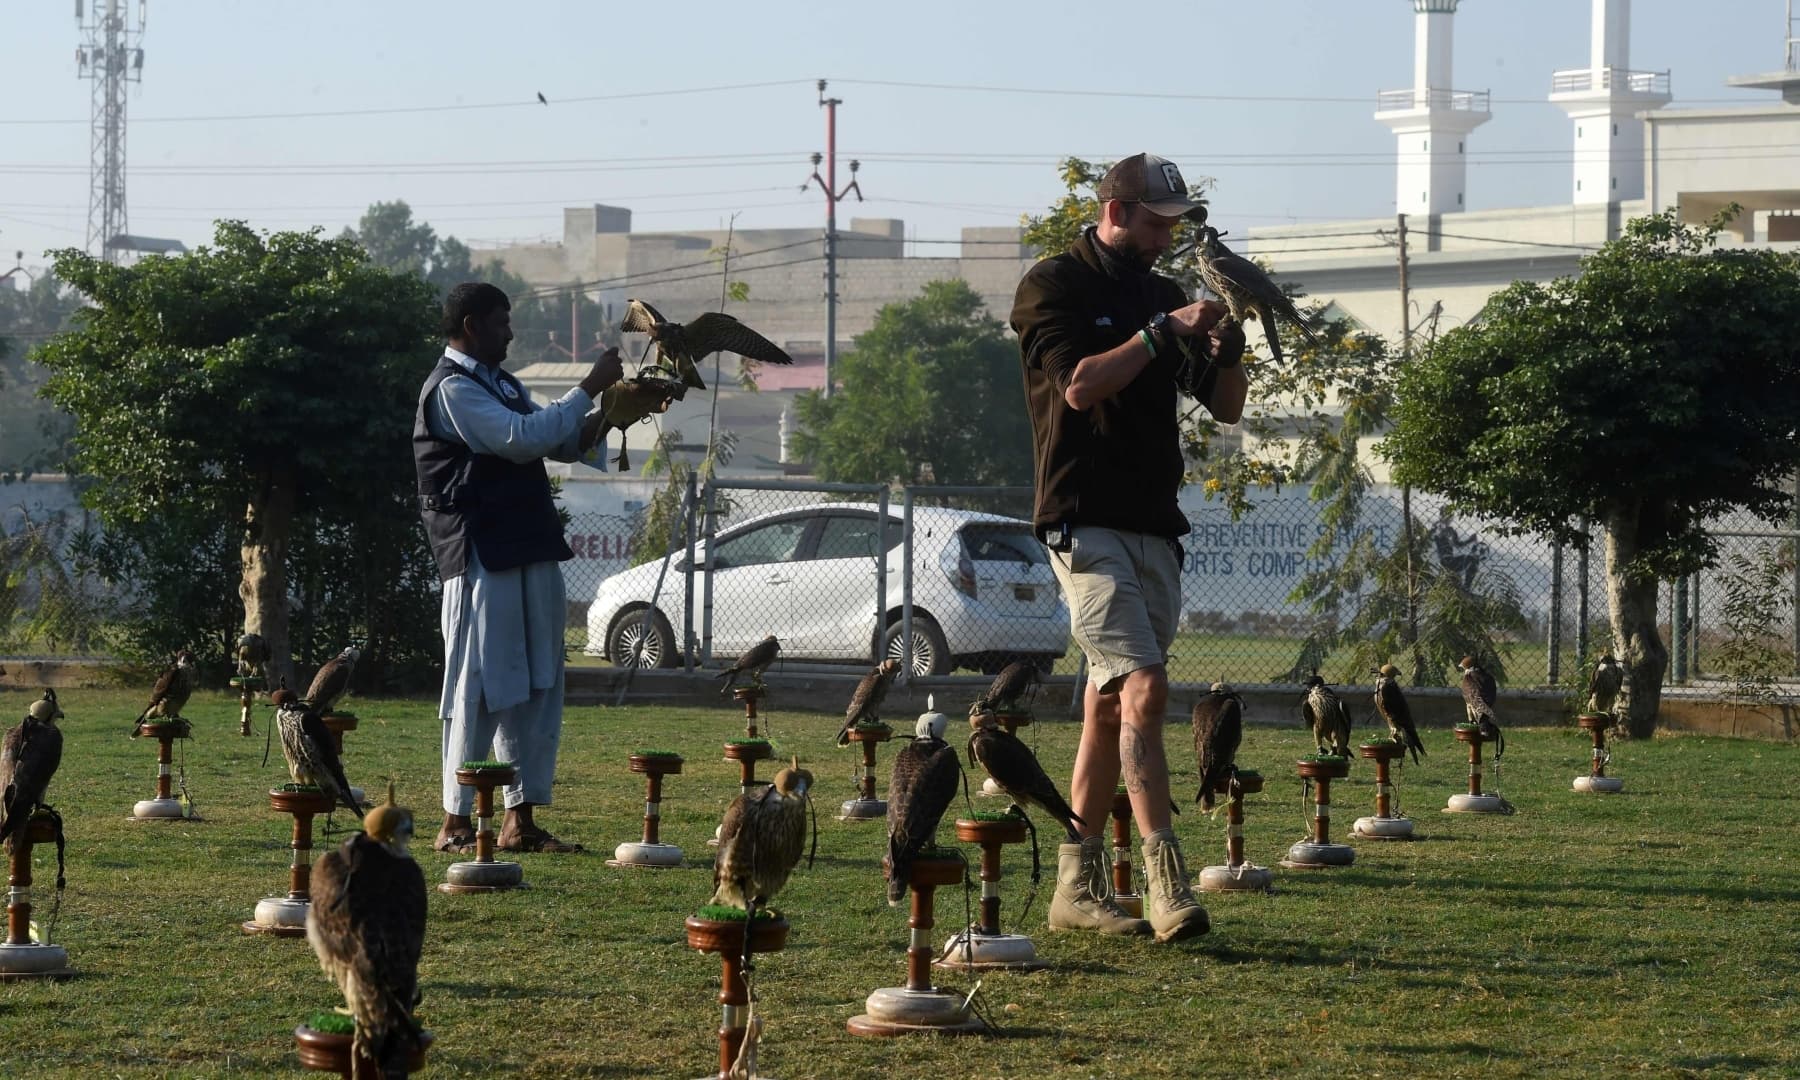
{"x":954,"y":581}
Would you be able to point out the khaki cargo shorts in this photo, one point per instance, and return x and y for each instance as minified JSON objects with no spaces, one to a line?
{"x":1124,"y":596}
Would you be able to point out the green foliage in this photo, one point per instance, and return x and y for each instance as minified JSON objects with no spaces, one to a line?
{"x":930,"y":394}
{"x":198,"y":383}
{"x":1759,"y":598}
{"x":1662,"y":384}
{"x":331,"y":1023}
{"x":663,"y":524}
{"x":32,"y":433}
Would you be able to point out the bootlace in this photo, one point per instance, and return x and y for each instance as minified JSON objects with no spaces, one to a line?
{"x":1171,"y":877}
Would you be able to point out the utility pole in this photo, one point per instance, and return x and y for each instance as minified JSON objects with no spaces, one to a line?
{"x":110,"y":55}
{"x":1406,"y":514}
{"x":575,"y":351}
{"x":828,"y":183}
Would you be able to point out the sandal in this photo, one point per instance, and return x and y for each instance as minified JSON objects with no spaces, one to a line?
{"x":541,"y":841}
{"x":457,"y":843}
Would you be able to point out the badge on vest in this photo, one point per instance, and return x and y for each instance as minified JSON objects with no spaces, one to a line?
{"x":1104,"y":320}
{"x":508,"y":390}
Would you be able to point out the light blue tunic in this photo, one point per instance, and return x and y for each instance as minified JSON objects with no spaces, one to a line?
{"x":503,"y":630}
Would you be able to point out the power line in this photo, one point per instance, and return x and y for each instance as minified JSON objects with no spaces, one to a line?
{"x":531,"y":103}
{"x":1154,"y":95}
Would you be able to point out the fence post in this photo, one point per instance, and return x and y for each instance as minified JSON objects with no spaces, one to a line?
{"x":1678,"y":630}
{"x":712,"y":529}
{"x":906,"y":588}
{"x":1694,"y":628}
{"x":1581,"y":601}
{"x":1554,"y":644}
{"x":881,"y":523}
{"x":687,"y":607}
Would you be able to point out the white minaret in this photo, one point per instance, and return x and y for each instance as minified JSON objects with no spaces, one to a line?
{"x":1431,"y":121}
{"x":1604,"y":100}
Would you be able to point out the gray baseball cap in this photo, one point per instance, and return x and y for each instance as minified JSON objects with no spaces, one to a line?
{"x":1149,"y":180}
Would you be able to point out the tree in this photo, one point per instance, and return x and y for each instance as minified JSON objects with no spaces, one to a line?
{"x":1658,"y":389}
{"x":32,"y":434}
{"x":266,"y":383}
{"x":930,"y":394}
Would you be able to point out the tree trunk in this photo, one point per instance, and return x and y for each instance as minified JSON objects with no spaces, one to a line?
{"x":1631,"y":603}
{"x":267,"y":523}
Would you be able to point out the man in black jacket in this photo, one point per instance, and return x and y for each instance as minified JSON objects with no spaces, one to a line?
{"x":1098,"y":337}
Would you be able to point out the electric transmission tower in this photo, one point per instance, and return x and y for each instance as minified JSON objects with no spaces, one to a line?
{"x":111,"y":55}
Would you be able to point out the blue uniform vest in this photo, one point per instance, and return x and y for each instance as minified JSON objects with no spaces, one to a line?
{"x":503,"y":508}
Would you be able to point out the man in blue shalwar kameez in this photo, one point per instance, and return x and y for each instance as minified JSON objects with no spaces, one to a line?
{"x":479,"y":444}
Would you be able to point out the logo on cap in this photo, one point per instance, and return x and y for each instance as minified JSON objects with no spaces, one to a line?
{"x":1172,"y":177}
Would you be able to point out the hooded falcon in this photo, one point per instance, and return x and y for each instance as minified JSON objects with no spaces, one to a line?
{"x":1392,"y":706}
{"x":311,"y":753}
{"x":1218,"y":728}
{"x":1603,"y":688}
{"x":1014,"y":767}
{"x":761,"y":840}
{"x":1015,"y":680}
{"x":170,"y":695}
{"x":28,"y":759}
{"x":926,"y":774}
{"x":367,"y":925}
{"x":865,"y":703}
{"x":681,"y":347}
{"x":755,"y":661}
{"x":1326,"y":715}
{"x":1246,"y":290}
{"x":333,"y":679}
{"x":627,"y":402}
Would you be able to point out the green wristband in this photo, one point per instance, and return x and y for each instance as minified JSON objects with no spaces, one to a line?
{"x":1149,"y":344}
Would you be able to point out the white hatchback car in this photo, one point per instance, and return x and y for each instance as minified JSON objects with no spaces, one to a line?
{"x":983,"y":592}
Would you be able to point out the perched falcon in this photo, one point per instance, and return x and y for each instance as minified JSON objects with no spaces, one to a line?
{"x":1392,"y":706}
{"x":367,"y":925}
{"x":682,"y":347}
{"x":28,"y":759}
{"x":1479,"y":694}
{"x":252,"y":655}
{"x":924,"y":783}
{"x":865,"y":703}
{"x":311,"y":753}
{"x":1218,"y":728}
{"x":333,"y":679}
{"x":1326,"y":715}
{"x":1603,"y":688}
{"x":170,"y":695}
{"x":755,"y":661}
{"x":1246,"y":290}
{"x":1014,"y":767}
{"x":1015,"y":680}
{"x":761,"y":840}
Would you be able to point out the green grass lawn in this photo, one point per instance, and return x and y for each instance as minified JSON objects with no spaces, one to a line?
{"x":1647,"y":933}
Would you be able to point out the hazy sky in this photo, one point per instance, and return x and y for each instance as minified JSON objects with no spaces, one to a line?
{"x":208,"y":137}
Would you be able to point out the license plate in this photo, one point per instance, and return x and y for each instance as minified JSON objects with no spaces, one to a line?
{"x":1024,"y":594}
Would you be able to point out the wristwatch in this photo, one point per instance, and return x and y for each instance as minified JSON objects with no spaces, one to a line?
{"x":1159,"y":329}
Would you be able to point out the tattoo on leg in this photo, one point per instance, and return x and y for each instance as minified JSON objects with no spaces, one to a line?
{"x":1131,"y":758}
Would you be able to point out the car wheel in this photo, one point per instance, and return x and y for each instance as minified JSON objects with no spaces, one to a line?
{"x":931,"y":653}
{"x":630,"y":634}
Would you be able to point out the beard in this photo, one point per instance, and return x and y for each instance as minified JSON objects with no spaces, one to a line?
{"x":1136,"y":253}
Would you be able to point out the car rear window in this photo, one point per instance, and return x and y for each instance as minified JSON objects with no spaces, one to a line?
{"x":1003,"y":543}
